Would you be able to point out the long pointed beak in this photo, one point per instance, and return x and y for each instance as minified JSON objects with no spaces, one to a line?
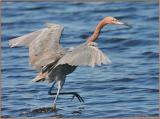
{"x":125,"y":24}
{"x":118,"y":22}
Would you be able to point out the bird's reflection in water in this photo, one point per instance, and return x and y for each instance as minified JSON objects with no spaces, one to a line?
{"x":46,"y":110}
{"x":42,"y":110}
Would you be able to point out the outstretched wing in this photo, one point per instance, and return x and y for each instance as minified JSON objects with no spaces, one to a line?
{"x":44,"y":47}
{"x":85,"y":55}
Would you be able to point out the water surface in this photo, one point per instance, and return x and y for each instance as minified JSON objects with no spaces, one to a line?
{"x":128,"y":87}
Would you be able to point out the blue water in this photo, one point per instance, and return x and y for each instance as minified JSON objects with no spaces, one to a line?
{"x":126,"y":88}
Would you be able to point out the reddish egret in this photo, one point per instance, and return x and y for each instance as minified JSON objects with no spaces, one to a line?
{"x":54,"y":62}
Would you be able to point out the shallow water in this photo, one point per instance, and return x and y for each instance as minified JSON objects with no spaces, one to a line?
{"x":128,"y":87}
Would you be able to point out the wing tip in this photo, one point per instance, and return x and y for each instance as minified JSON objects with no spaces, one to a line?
{"x":108,"y":61}
{"x":12,"y":44}
{"x":40,"y":77}
{"x":53,"y":25}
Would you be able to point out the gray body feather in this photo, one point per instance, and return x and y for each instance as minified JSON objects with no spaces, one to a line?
{"x":86,"y":54}
{"x":54,"y":62}
{"x":44,"y":47}
{"x":46,"y":53}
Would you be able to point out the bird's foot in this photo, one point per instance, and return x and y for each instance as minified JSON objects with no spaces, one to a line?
{"x":75,"y":94}
{"x":54,"y":107}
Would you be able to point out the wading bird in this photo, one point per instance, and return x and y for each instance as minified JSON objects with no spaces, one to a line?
{"x":54,"y":62}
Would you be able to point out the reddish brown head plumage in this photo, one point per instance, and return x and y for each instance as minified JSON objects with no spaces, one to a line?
{"x":101,"y":24}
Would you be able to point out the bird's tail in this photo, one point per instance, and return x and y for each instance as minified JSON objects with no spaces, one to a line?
{"x":40,"y":77}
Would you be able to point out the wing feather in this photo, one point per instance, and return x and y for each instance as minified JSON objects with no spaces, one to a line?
{"x":44,"y":47}
{"x":84,"y":55}
{"x":25,"y":39}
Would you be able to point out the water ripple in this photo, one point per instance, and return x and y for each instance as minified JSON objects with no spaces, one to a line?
{"x":128,"y":87}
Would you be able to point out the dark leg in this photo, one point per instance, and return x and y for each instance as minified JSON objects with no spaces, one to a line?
{"x":50,"y":89}
{"x":75,"y":94}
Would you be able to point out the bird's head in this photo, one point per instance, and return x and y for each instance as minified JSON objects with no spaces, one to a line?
{"x":112,"y":20}
{"x":102,"y":23}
